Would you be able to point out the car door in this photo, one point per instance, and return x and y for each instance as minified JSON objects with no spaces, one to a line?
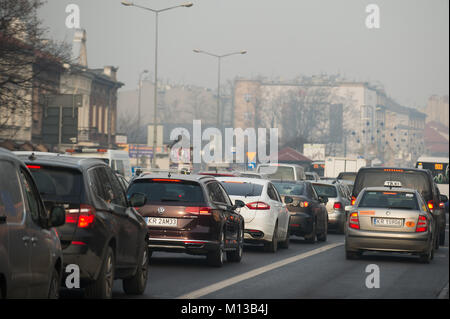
{"x":14,"y":238}
{"x":130,"y":229}
{"x":40,"y":239}
{"x":277,"y":206}
{"x":319,"y":209}
{"x":284,"y":213}
{"x":234,"y":217}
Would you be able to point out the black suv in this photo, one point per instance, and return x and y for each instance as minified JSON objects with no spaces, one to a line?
{"x":103,"y":233}
{"x":191,"y":214}
{"x":419,"y":179}
{"x":30,"y":251}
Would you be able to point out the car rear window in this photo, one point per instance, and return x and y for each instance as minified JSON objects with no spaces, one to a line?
{"x":295,"y":189}
{"x":242,"y":188}
{"x":278,"y":172}
{"x":408,"y":179}
{"x":325,"y":190}
{"x":389,"y":199}
{"x":347,"y":176}
{"x":58,"y":184}
{"x":164,"y":191}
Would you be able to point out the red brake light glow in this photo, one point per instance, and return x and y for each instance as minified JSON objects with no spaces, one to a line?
{"x":258,"y":206}
{"x":422,"y":224}
{"x":33,"y":166}
{"x":337,"y":205}
{"x":166,"y":180}
{"x":353,"y":200}
{"x":354,"y":221}
{"x":83,"y":217}
{"x":430,"y":204}
{"x":198,"y":210}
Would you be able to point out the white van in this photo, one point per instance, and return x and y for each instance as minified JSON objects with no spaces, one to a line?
{"x":118,"y":160}
{"x":288,"y":172}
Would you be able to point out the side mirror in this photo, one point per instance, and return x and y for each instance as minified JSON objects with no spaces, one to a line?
{"x":57,"y":216}
{"x":238,"y":204}
{"x":323,"y":199}
{"x":348,"y":208}
{"x":443,"y":198}
{"x":288,"y":200}
{"x":138,"y":200}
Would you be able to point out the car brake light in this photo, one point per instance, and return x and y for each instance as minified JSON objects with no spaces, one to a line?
{"x":354,"y":220}
{"x":166,"y":180}
{"x":337,"y":205}
{"x":353,"y":200}
{"x":441,"y":205}
{"x":33,"y":166}
{"x":304,"y":204}
{"x":430,"y":204}
{"x":422,"y":224}
{"x":83,"y":217}
{"x":198,"y":210}
{"x":258,"y":206}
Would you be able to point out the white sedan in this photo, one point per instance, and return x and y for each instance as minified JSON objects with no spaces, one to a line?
{"x":265,"y":215}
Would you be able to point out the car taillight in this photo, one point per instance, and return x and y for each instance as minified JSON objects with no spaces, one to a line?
{"x":258,"y":206}
{"x":422,"y":224}
{"x":198,"y":210}
{"x":430,"y":204}
{"x":303,"y":204}
{"x":83,"y":217}
{"x":441,"y":205}
{"x":337,"y":205}
{"x":353,"y":200}
{"x":354,"y":221}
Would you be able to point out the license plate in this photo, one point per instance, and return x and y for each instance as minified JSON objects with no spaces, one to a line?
{"x":390,"y":222}
{"x":162,"y":222}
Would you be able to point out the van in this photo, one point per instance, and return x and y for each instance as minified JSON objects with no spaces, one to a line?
{"x":285,"y":172}
{"x":418,"y":179}
{"x":118,"y":160}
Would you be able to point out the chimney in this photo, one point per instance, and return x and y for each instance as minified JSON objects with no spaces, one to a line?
{"x":111,"y":72}
{"x":80,"y":49}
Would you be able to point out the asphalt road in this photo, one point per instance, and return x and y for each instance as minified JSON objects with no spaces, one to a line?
{"x":303,"y":271}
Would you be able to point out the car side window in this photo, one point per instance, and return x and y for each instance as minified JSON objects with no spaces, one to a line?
{"x":32,"y":202}
{"x":313,"y":192}
{"x":11,"y":201}
{"x":215,"y":193}
{"x":118,"y":191}
{"x":101,"y":184}
{"x":272,"y":193}
{"x":225,"y":195}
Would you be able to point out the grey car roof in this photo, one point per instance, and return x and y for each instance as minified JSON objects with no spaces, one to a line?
{"x":396,"y":189}
{"x":183,"y":177}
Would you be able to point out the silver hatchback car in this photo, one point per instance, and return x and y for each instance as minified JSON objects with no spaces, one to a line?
{"x":338,"y":199}
{"x":389,"y":219}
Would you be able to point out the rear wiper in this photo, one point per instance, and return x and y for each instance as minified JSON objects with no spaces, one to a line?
{"x":169,"y":200}
{"x":400,"y":207}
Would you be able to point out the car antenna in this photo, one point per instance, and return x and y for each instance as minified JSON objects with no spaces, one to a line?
{"x":32,"y":157}
{"x":169,"y":175}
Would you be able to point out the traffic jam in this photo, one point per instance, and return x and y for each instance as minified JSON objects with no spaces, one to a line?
{"x":271,"y":187}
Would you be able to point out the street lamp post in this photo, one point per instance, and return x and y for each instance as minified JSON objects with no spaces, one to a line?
{"x":156,"y":12}
{"x":219,"y":60}
{"x":139,"y":115}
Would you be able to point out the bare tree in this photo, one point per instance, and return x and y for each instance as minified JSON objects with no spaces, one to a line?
{"x":26,"y":60}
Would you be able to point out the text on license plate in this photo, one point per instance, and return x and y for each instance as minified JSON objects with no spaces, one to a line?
{"x":158,"y":221}
{"x":393,"y":222}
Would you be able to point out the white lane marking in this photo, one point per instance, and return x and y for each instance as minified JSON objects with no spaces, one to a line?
{"x":255,"y":272}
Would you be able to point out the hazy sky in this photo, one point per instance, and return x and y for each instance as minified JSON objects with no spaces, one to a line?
{"x":408,"y":54}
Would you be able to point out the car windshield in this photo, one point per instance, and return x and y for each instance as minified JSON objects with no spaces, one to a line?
{"x":242,"y":188}
{"x":295,"y":189}
{"x":325,"y":190}
{"x":168,"y":191}
{"x":278,"y":172}
{"x":389,"y":199}
{"x":58,"y":184}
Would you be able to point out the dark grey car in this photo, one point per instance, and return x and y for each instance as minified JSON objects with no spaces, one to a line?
{"x":30,"y":250}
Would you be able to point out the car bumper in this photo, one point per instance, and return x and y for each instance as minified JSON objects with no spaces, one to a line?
{"x":336,"y":218}
{"x":300,"y":224}
{"x":357,"y":240}
{"x":188,"y":246}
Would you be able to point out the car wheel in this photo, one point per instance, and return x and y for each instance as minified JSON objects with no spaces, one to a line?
{"x":426,"y":257}
{"x":323,"y":236}
{"x":285,"y":243}
{"x":136,"y":285}
{"x":236,"y":256}
{"x":102,"y":287}
{"x":442,"y":238}
{"x":216,"y":258}
{"x":53,"y":292}
{"x":311,"y":238}
{"x":272,"y":246}
{"x":437,"y":240}
{"x":352,"y":255}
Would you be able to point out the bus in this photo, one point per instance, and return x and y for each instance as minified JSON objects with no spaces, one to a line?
{"x":438,"y":166}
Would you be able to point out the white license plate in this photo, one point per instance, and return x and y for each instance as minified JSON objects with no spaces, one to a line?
{"x":162,"y":222}
{"x":391,"y":222}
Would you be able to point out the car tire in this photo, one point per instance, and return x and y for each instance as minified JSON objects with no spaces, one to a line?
{"x":311,"y":238}
{"x":437,"y":240}
{"x":323,"y":236}
{"x":102,"y":287}
{"x":426,"y":257}
{"x":272,"y":246}
{"x":285,"y":243}
{"x":216,"y":258}
{"x":236,"y":256}
{"x":352,"y":255}
{"x":442,"y":238}
{"x":55,"y":283}
{"x":136,"y":285}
